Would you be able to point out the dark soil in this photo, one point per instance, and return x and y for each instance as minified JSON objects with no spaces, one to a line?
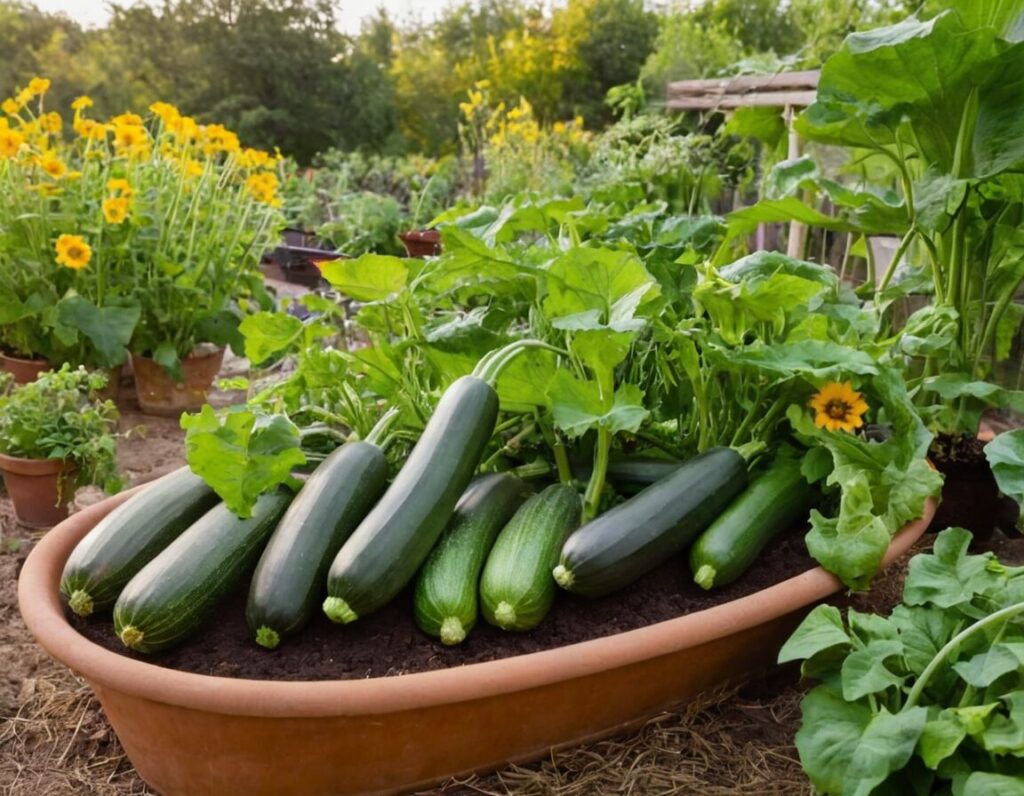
{"x":389,"y":643}
{"x":970,"y":497}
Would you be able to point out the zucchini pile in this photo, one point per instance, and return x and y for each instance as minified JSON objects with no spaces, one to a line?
{"x":351,"y":542}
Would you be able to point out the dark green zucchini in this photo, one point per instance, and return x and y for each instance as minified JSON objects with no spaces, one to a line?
{"x":774,"y":501}
{"x":288,"y":583}
{"x":516,"y":589}
{"x":629,"y":474}
{"x":130,"y":536}
{"x":176,"y":592}
{"x":446,"y":590}
{"x":631,"y":539}
{"x":390,"y":544}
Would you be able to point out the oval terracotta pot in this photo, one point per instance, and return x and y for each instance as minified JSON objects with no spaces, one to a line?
{"x":421,"y":242}
{"x":24,"y":370}
{"x":159,"y":394}
{"x":195,"y":734}
{"x":40,"y":489}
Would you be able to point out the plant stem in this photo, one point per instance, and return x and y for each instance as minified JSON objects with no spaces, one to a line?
{"x":592,"y":498}
{"x":952,"y":644}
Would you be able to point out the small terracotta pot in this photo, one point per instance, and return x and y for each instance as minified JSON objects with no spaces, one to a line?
{"x":159,"y":394}
{"x":24,"y":370}
{"x":421,"y":242}
{"x":39,"y":488}
{"x":196,"y":734}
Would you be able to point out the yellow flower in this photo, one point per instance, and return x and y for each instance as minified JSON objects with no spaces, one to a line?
{"x":166,"y":112}
{"x":838,"y":407}
{"x":73,"y":251}
{"x":115,"y":209}
{"x":121,"y":186}
{"x":52,"y":165}
{"x":263,"y":187}
{"x":184,"y":128}
{"x":51,"y":122}
{"x":24,"y":97}
{"x":217,"y":138}
{"x":10,"y":106}
{"x":38,"y":85}
{"x":253,"y":158}
{"x":131,"y":139}
{"x":87,"y":128}
{"x":10,"y":143}
{"x":81,"y":103}
{"x":192,"y":167}
{"x":127,"y":120}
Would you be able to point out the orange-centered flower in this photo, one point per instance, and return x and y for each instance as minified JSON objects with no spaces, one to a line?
{"x":73,"y":251}
{"x":838,"y":407}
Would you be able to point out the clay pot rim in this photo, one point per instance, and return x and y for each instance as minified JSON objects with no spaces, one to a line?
{"x":28,"y":466}
{"x":218,"y":351}
{"x":40,"y":604}
{"x":30,"y":361}
{"x":425,"y":235}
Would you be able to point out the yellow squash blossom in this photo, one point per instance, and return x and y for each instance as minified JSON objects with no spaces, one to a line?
{"x":52,"y":165}
{"x":838,"y":407}
{"x":73,"y":251}
{"x":115,"y":209}
{"x":10,"y":143}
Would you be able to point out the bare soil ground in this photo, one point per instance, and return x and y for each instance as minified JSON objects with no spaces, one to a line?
{"x":55,"y":740}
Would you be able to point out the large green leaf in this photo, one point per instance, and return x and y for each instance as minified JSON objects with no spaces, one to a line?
{"x":1005,"y":456}
{"x":822,"y":629}
{"x":269,"y":333}
{"x":607,"y":285}
{"x":108,"y":328}
{"x":371,"y":277}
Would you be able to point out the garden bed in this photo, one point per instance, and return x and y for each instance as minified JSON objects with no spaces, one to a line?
{"x":389,"y":643}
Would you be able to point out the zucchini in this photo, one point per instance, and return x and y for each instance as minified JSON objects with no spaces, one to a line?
{"x":516,"y":589}
{"x":770,"y":505}
{"x":446,"y":591}
{"x":176,"y":592}
{"x":289,"y":579}
{"x":390,"y":544}
{"x":631,"y":539}
{"x":130,"y":536}
{"x":629,"y":474}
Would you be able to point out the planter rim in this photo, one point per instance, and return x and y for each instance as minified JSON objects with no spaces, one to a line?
{"x":41,"y":607}
{"x":26,"y":360}
{"x":431,"y":235}
{"x":27,"y":466}
{"x":196,"y":354}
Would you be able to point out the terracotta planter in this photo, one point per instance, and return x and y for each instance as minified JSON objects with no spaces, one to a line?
{"x":194,"y":734}
{"x":421,"y":242}
{"x":159,"y":394}
{"x":24,"y":370}
{"x":40,"y":489}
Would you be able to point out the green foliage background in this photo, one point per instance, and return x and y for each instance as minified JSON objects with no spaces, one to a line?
{"x":282,"y":73}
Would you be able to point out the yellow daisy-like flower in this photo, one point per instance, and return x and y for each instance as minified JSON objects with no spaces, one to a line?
{"x":24,"y":97}
{"x":10,"y":106}
{"x":81,"y":103}
{"x":51,"y":122}
{"x":253,"y":158}
{"x":838,"y":407}
{"x":115,"y":209}
{"x":263,"y":187}
{"x":10,"y":143}
{"x":38,"y":85}
{"x":119,"y":185}
{"x":73,"y":251}
{"x":127,"y":120}
{"x":165,"y":111}
{"x":131,"y":139}
{"x":52,"y":165}
{"x":218,"y":138}
{"x":192,"y":167}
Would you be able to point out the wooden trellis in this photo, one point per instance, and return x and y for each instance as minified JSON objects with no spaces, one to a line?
{"x":786,"y":90}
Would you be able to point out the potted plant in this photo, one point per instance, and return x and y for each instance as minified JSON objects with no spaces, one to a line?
{"x":55,"y":437}
{"x":140,"y":235}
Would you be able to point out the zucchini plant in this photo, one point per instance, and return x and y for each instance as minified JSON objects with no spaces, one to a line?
{"x":927,"y":699}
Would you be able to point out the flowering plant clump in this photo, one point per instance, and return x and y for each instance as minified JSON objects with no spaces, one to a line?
{"x":518,"y":152}
{"x":140,"y":233}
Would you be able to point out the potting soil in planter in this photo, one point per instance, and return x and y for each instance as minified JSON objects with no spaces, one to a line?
{"x":970,"y":497}
{"x":389,"y":643}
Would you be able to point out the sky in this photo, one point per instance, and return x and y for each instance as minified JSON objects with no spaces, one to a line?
{"x":94,"y":12}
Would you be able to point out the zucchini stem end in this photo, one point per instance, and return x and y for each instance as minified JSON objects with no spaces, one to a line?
{"x":80,"y":602}
{"x":267,"y":637}
{"x":131,"y":637}
{"x":338,"y":610}
{"x":563,"y":576}
{"x":505,"y":615}
{"x":705,"y":576}
{"x":452,"y":631}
